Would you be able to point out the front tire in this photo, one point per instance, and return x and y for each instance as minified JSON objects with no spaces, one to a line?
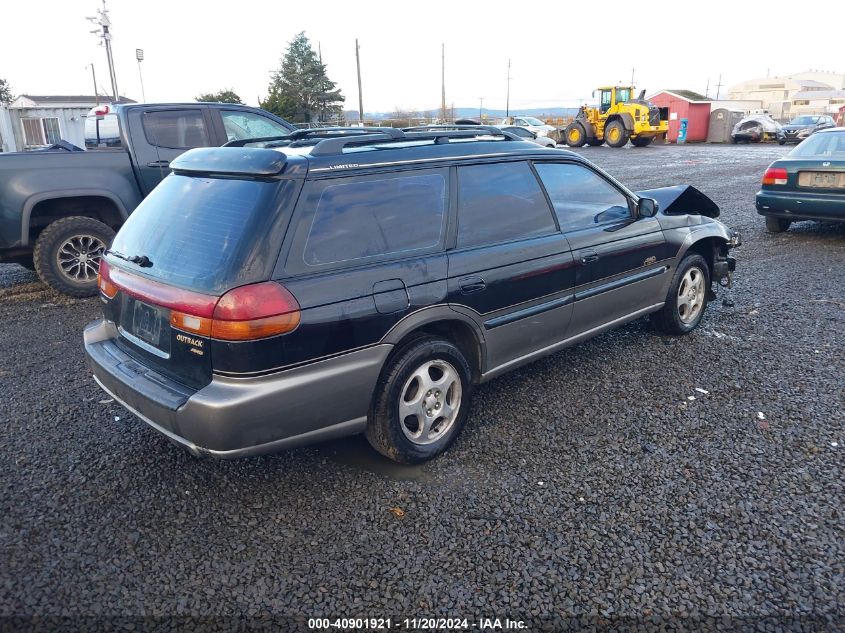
{"x":615,"y":134}
{"x":776,"y":225}
{"x":687,"y":298}
{"x":67,"y":255}
{"x":421,"y":402}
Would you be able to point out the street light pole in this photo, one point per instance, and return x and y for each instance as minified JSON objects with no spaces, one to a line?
{"x":94,"y":78}
{"x":139,"y":55}
{"x":360,"y":95}
{"x":508,"y":101}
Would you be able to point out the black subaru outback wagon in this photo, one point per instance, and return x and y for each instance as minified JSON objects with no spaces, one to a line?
{"x":262,"y":298}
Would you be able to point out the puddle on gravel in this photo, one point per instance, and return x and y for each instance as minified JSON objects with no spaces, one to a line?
{"x":356,"y":452}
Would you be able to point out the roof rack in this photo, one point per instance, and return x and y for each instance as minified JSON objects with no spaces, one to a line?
{"x":315,"y":134}
{"x":436,"y":133}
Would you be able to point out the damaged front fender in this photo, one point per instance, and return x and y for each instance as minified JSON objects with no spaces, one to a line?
{"x":682,"y":200}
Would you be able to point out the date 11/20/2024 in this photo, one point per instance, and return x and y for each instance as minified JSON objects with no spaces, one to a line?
{"x":416,"y":624}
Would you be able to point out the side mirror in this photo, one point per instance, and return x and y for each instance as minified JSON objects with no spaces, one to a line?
{"x":647,"y":207}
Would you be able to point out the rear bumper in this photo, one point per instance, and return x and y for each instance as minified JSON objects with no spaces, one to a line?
{"x":793,"y":205}
{"x":238,"y":417}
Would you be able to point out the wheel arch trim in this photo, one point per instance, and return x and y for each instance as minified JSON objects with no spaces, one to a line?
{"x":29,"y":204}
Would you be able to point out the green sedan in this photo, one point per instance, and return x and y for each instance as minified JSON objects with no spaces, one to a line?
{"x":806,"y":184}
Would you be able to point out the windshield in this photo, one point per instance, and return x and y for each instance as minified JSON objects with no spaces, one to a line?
{"x":623,"y":95}
{"x":532,"y":121}
{"x":206,"y":234}
{"x":804,"y":120}
{"x":821,"y":144}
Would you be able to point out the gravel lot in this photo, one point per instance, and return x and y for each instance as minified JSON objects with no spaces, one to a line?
{"x":589,"y":484}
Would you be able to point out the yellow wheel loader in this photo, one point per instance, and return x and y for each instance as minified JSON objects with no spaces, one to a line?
{"x":618,"y":119}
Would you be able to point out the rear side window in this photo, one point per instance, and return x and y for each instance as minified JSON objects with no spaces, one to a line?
{"x":581,"y":197}
{"x":499,"y":203}
{"x":176,"y":129}
{"x":102,"y":131}
{"x":206,"y":234}
{"x":356,"y":219}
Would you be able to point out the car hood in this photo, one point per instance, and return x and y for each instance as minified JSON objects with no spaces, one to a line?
{"x":682,"y":199}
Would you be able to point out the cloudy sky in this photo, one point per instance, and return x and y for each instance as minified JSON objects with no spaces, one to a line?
{"x":558,"y":55}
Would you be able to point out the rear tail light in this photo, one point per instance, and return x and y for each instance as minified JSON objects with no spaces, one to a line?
{"x":775,"y":176}
{"x":104,"y":282}
{"x":255,"y":311}
{"x":242,"y":314}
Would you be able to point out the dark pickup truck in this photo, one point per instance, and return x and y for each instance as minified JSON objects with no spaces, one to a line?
{"x":59,"y":209}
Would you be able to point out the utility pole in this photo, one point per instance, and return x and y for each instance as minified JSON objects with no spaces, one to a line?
{"x":707,"y":89}
{"x":443,"y":83}
{"x":94,"y":78}
{"x":360,"y":96}
{"x":139,"y":55}
{"x":480,"y":107}
{"x":508,"y":98}
{"x":102,"y":20}
{"x":719,"y":86}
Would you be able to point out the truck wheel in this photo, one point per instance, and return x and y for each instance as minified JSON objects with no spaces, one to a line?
{"x":421,"y":401}
{"x":575,"y":135}
{"x":615,"y":134}
{"x":687,"y":298}
{"x":776,"y":225}
{"x":67,"y":255}
{"x":642,"y":141}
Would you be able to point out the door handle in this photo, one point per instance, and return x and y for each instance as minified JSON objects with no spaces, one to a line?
{"x":472,"y":284}
{"x":589,"y":258}
{"x":159,"y":163}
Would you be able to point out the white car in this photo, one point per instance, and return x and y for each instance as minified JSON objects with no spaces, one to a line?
{"x":529,"y":123}
{"x":528,"y":135}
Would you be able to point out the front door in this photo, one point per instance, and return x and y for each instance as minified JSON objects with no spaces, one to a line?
{"x":621,"y":260}
{"x":511,"y":269}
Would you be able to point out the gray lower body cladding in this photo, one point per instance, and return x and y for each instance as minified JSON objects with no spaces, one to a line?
{"x":237,"y":417}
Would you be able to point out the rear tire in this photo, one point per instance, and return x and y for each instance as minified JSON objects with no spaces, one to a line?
{"x":642,"y":141}
{"x":67,"y":255}
{"x":687,"y":298}
{"x":575,"y":135}
{"x":429,"y":376}
{"x":615,"y":134}
{"x":776,"y":225}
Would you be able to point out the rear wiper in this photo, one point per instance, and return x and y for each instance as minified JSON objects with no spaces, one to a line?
{"x":140,"y":260}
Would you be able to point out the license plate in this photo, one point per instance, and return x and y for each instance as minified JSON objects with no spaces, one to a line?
{"x":822,"y":179}
{"x":148,"y":323}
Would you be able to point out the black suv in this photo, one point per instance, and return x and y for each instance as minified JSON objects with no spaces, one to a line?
{"x":352,"y":281}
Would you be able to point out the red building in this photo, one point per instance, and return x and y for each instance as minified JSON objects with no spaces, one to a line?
{"x":685,"y":104}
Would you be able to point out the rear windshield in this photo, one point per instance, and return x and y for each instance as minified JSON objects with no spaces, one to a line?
{"x":206,"y":234}
{"x":821,"y":144}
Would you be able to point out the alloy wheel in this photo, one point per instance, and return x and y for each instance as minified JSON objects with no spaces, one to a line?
{"x":430,"y":402}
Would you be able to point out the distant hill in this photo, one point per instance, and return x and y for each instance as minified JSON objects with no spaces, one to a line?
{"x":472,"y":113}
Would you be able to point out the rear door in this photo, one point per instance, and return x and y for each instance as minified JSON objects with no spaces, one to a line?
{"x":161,"y":134}
{"x":363,"y":252}
{"x":511,"y":269}
{"x":231,"y":124}
{"x":622,"y":260}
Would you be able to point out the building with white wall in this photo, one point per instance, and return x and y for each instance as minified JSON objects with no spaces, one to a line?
{"x":40,"y":121}
{"x":808,"y":92}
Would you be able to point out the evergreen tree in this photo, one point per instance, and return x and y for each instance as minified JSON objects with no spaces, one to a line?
{"x":224,"y":96}
{"x":5,"y":92}
{"x":300,"y":91}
